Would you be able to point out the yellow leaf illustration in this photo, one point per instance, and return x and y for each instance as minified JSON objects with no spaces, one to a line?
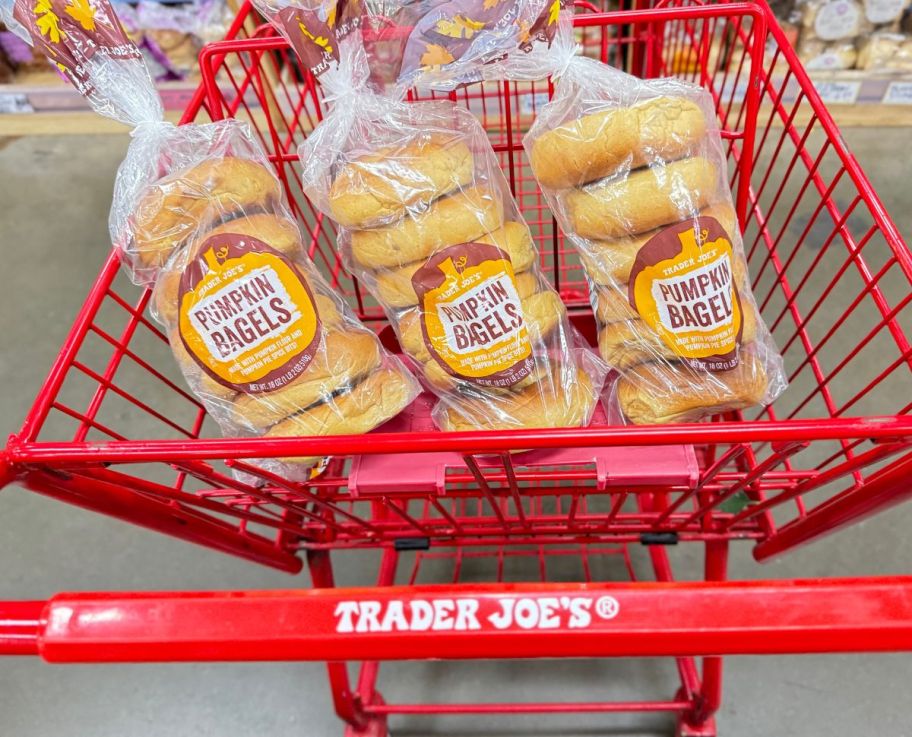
{"x":488,"y":4}
{"x":320,"y":41}
{"x":435,"y":56}
{"x":459,"y":27}
{"x":47,"y":21}
{"x":554,"y":12}
{"x":82,"y":12}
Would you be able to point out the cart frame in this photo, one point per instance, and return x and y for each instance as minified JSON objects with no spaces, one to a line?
{"x":828,"y":454}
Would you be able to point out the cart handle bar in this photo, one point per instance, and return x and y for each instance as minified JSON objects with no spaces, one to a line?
{"x":467,"y":621}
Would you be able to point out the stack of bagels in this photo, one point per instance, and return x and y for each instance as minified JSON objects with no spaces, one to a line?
{"x":398,"y":206}
{"x":616,"y":178}
{"x":350,"y":385}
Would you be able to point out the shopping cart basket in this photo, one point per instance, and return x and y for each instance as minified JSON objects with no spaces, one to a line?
{"x":832,"y":277}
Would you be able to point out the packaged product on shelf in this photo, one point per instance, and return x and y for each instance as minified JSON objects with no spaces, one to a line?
{"x":833,"y":20}
{"x":817,"y":55}
{"x":885,"y":14}
{"x":427,"y":223}
{"x":884,"y":51}
{"x":198,"y":212}
{"x":635,"y":174}
{"x":171,"y":35}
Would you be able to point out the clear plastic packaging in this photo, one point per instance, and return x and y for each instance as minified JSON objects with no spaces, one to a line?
{"x":428,"y":224}
{"x":444,"y":44}
{"x":634,"y":172}
{"x":259,"y":335}
{"x":885,"y":52}
{"x":819,"y":56}
{"x":885,"y":14}
{"x":833,"y":20}
{"x":88,"y":45}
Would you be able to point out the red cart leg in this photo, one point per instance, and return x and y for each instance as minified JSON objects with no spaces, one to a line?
{"x":701,"y":721}
{"x":348,"y":705}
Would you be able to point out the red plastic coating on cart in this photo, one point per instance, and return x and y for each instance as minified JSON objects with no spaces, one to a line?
{"x":483,"y":621}
{"x":614,"y":466}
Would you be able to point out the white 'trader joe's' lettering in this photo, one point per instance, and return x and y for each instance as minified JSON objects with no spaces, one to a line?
{"x":441,"y":615}
{"x":417,"y":615}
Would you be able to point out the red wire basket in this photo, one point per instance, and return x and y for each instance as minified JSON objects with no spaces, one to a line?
{"x":830,"y":272}
{"x":832,"y":277}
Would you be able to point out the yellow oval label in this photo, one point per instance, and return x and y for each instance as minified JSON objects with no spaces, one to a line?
{"x":682,"y":284}
{"x":247,"y":315}
{"x":472,"y":319}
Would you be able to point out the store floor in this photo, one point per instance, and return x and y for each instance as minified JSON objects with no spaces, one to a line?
{"x":54,"y":226}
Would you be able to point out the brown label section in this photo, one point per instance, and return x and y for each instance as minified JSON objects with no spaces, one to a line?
{"x":71,"y":32}
{"x":315,"y":34}
{"x":472,"y":320}
{"x":682,"y":284}
{"x":545,"y":27}
{"x":247,"y":316}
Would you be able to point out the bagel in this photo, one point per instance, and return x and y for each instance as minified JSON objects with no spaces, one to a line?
{"x":394,"y":286}
{"x":659,"y":393}
{"x":342,"y":360}
{"x":595,"y":146}
{"x":458,"y":218}
{"x":379,"y":397}
{"x":277,"y":232}
{"x":439,"y":379}
{"x":179,"y":206}
{"x":610,"y":262}
{"x":553,"y":401}
{"x":385,"y":183}
{"x":645,"y":199}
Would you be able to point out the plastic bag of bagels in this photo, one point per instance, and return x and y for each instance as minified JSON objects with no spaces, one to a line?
{"x":635,"y":174}
{"x":260,"y":337}
{"x":427,"y":223}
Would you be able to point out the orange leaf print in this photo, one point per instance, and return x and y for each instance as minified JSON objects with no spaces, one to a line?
{"x":459,"y":27}
{"x":47,"y":21}
{"x":488,"y":4}
{"x":82,"y":12}
{"x":435,"y":56}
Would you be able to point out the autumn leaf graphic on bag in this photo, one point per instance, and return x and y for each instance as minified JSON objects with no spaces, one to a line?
{"x":458,"y":27}
{"x":452,"y":29}
{"x":435,"y":56}
{"x":71,"y":32}
{"x":83,"y":13}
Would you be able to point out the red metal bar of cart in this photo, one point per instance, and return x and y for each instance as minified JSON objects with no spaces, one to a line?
{"x":469,"y":621}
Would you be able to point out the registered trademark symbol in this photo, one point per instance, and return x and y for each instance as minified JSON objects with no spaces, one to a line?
{"x":607,"y":607}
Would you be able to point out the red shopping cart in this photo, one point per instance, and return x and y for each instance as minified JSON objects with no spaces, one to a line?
{"x":832,"y":277}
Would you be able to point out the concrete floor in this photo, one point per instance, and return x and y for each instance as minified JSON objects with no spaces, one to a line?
{"x":56,"y":195}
